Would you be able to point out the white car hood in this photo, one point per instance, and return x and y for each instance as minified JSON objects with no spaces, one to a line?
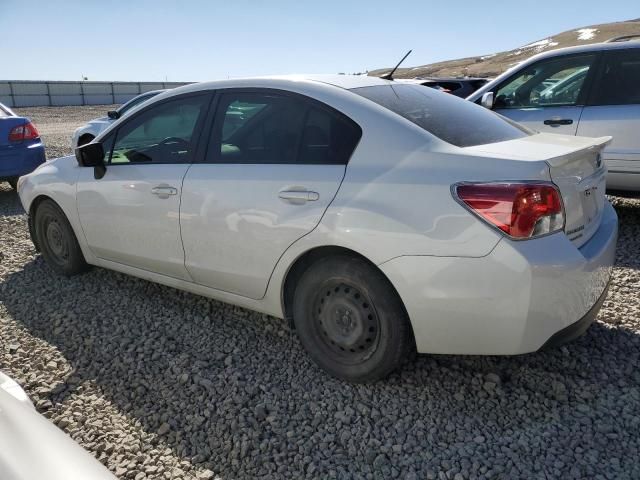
{"x":32,"y":447}
{"x":101,"y":121}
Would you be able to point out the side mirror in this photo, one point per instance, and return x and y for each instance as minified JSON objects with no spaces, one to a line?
{"x":487,"y":100}
{"x":92,"y":155}
{"x":113,"y":114}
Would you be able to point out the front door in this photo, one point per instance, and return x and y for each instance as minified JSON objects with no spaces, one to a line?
{"x":131,"y":215}
{"x":273,"y":166}
{"x":547,"y":96}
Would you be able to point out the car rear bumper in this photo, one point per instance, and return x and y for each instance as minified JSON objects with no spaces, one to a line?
{"x":511,"y":301}
{"x":19,"y":160}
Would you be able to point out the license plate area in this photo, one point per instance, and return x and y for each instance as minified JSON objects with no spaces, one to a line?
{"x":592,"y":192}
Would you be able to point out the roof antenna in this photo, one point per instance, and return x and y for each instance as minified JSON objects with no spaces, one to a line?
{"x":389,"y":76}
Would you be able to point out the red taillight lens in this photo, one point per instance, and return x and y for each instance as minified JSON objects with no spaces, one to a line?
{"x":521,"y":210}
{"x":28,"y":131}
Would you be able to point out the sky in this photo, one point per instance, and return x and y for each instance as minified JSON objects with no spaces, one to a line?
{"x":165,"y":40}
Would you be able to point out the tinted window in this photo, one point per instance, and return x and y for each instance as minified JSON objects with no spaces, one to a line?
{"x":164,"y":133}
{"x":555,"y":82}
{"x":449,"y":118}
{"x":620,"y":79}
{"x":266,"y":128}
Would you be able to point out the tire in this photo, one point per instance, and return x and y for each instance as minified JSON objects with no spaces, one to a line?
{"x":13,"y":182}
{"x":57,"y":242}
{"x":84,"y":139}
{"x":350,"y":319}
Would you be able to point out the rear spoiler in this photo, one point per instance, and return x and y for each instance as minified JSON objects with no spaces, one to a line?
{"x":595,"y":145}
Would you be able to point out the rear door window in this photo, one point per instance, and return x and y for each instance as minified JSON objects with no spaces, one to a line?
{"x":452,"y":119}
{"x":272,"y":128}
{"x":619,"y":80}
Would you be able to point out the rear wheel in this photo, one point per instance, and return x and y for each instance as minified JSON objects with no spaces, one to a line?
{"x":57,"y":241}
{"x":350,"y":319}
{"x":13,"y":182}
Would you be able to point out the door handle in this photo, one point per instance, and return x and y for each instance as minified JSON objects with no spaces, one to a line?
{"x":555,"y":122}
{"x":298,"y":197}
{"x":164,"y":191}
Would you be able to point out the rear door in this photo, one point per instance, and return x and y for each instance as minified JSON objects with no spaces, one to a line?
{"x":614,"y":109}
{"x":274,"y":163}
{"x":548,"y":95}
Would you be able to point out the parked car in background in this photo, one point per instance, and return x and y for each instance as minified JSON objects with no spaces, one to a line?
{"x":590,"y":90}
{"x":32,"y":447}
{"x":375,"y":215}
{"x":21,"y":148}
{"x":458,"y":86}
{"x":84,"y":134}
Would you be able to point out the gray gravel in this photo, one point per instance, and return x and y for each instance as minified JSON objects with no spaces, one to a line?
{"x":158,"y":383}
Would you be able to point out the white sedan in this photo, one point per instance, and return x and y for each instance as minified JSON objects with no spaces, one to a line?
{"x":379,"y":218}
{"x":87,"y":132}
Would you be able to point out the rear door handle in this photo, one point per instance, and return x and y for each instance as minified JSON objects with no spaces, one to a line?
{"x":164,"y":191}
{"x":555,"y":122}
{"x":298,"y":197}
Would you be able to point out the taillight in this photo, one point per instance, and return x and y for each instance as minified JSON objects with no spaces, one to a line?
{"x":521,"y":210}
{"x":27,"y":131}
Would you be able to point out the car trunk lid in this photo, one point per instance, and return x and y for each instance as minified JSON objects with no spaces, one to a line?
{"x":575,"y":166}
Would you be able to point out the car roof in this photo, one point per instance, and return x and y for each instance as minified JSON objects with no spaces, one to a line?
{"x":592,"y":47}
{"x":346,"y":82}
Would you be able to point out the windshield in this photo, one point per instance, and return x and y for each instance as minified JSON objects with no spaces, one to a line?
{"x":134,"y":102}
{"x":454,"y":120}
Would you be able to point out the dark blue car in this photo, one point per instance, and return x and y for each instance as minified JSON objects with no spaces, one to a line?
{"x":21,"y":148}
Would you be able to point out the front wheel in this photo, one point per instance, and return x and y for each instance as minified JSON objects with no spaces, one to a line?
{"x":57,"y":241}
{"x":350,"y":319}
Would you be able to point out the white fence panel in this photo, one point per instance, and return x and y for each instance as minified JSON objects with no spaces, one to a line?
{"x":24,"y":93}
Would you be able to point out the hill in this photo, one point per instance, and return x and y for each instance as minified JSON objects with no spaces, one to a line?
{"x":493,"y":64}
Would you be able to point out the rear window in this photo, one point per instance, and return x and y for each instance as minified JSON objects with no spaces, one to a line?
{"x":3,"y":112}
{"x":454,"y":120}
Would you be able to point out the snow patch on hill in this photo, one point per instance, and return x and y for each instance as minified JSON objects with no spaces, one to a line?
{"x":586,"y":33}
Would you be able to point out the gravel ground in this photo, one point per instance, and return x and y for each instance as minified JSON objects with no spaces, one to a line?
{"x":158,"y":383}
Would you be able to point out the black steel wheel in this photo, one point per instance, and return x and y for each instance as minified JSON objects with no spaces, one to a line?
{"x":350,"y":319}
{"x":346,"y":322}
{"x":57,"y":240}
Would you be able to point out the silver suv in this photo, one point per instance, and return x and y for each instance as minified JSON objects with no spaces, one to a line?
{"x":591,"y":90}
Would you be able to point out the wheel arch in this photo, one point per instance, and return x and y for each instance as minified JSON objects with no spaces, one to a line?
{"x":305,"y":260}
{"x":33,"y":206}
